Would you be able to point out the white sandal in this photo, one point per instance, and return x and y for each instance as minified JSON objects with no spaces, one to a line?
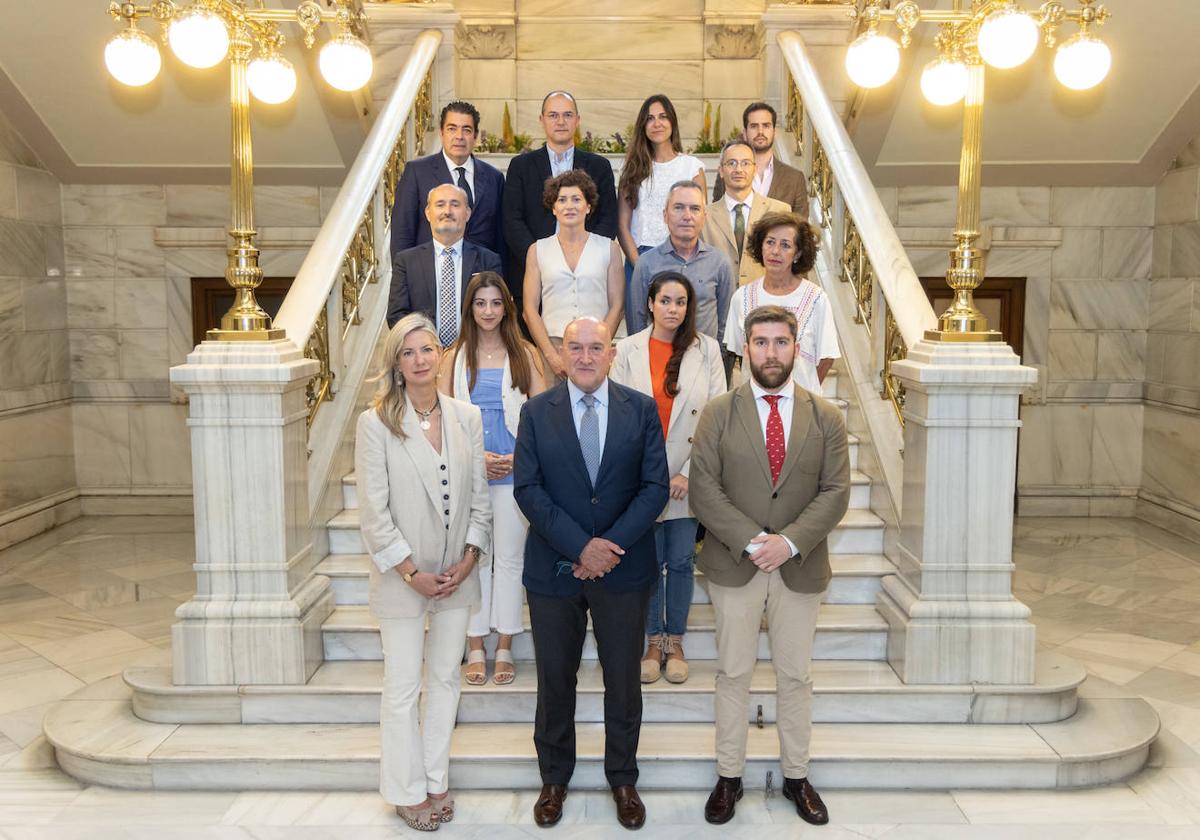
{"x":504,"y":677}
{"x":476,"y":657}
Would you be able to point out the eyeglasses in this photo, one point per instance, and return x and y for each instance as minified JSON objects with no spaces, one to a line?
{"x":555,"y":116}
{"x":738,"y":164}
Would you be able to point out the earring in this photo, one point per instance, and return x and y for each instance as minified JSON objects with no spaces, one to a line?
{"x":399,"y":379}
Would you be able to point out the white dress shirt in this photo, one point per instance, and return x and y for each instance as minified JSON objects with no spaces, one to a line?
{"x":763,"y":177}
{"x":561,"y":163}
{"x":786,"y":403}
{"x":456,"y":251}
{"x":468,"y":165}
{"x":731,"y":204}
{"x":601,"y":408}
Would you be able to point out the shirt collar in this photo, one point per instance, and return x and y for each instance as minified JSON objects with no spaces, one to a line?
{"x":566,"y":157}
{"x":668,"y":247}
{"x":601,"y":393}
{"x":456,"y":247}
{"x":760,"y":392}
{"x":469,"y":165}
{"x":731,"y":202}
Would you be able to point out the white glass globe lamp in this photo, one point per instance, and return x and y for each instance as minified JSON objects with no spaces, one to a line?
{"x":872,"y":60}
{"x":1082,"y":61}
{"x":944,"y":82}
{"x":198,"y":37}
{"x":132,"y":57}
{"x":345,"y":62}
{"x":272,"y":79}
{"x":1007,"y":38}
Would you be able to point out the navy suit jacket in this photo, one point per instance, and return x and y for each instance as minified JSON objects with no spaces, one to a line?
{"x":414,"y":279}
{"x":565,"y":511}
{"x":409,"y":225}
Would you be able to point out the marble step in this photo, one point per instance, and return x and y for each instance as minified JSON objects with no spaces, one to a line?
{"x":98,"y":739}
{"x":844,"y":691}
{"x":844,"y":631}
{"x":856,"y":578}
{"x":859,"y":532}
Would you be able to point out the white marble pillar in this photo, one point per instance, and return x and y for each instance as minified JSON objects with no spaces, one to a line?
{"x":951,"y":613}
{"x":257,"y":613}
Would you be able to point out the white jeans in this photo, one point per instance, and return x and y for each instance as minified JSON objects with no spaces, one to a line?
{"x":500,"y":581}
{"x":415,"y":758}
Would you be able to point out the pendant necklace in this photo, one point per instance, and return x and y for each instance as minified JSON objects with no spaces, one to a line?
{"x":489,"y":356}
{"x":425,"y":415}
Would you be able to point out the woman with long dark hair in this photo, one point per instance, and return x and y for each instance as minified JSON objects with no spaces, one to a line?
{"x":682,"y":369}
{"x":653,"y":162}
{"x":497,"y":370}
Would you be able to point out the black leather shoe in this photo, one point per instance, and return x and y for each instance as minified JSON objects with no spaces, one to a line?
{"x":547,"y":811}
{"x":808,"y":802}
{"x":719,"y":807}
{"x":631,"y":813}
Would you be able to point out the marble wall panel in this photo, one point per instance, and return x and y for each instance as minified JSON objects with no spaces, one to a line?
{"x":1121,"y":355}
{"x":1079,"y":254}
{"x":179,"y":320}
{"x":1102,"y":206}
{"x":8,"y":192}
{"x":1099,"y":305}
{"x":1037,"y":326}
{"x":108,"y":204}
{"x":1160,"y":259}
{"x":90,"y":303}
{"x":22,"y":249}
{"x":889,"y":196}
{"x":143,"y":354}
{"x":26,"y":359}
{"x":1181,"y":361}
{"x":137,"y":253}
{"x":36,"y":455}
{"x":733,"y":79}
{"x":1071,"y":431}
{"x":328,"y":196}
{"x":1117,"y":446}
{"x":1156,"y":347}
{"x":12,"y":318}
{"x":1018,"y":262}
{"x":102,"y":457}
{"x":1127,"y":252}
{"x":287,"y":206}
{"x":1171,"y":455}
{"x":613,"y":39}
{"x":1072,"y":355}
{"x":1034,"y":445}
{"x":1185,"y":250}
{"x":90,"y":252}
{"x":160,"y":449}
{"x":1177,"y":197}
{"x":52,"y":237}
{"x":918,"y":205}
{"x":44,"y":300}
{"x":95,"y":354}
{"x":140,"y":303}
{"x":600,"y":79}
{"x":1027,"y":206}
{"x":196,"y":205}
{"x":486,"y":78}
{"x":38,"y":197}
{"x":1171,"y":304}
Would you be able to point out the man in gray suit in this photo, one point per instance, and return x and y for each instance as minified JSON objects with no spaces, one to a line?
{"x":770,"y":479}
{"x":772,"y":178}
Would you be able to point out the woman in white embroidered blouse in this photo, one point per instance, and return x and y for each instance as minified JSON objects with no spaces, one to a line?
{"x":786,"y":246}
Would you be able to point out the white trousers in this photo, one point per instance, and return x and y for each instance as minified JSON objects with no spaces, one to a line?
{"x":500,"y":581}
{"x":415,"y":758}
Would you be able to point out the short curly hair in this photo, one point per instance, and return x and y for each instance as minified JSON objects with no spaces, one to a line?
{"x":571,"y":178}
{"x":807,"y":240}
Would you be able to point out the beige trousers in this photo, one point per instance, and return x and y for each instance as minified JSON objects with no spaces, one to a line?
{"x":791,"y":625}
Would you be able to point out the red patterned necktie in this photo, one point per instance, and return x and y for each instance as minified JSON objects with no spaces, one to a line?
{"x":776,"y":450}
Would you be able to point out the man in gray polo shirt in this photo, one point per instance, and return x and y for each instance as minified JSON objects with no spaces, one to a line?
{"x":706,"y":267}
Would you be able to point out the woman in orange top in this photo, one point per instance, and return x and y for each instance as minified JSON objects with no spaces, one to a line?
{"x":682,"y":369}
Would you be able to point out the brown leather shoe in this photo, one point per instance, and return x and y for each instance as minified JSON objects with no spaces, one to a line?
{"x":719,"y":807}
{"x":808,"y":802}
{"x":631,"y":813}
{"x":547,"y":811}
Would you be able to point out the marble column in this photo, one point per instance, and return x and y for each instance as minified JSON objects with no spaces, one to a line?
{"x":257,"y":613}
{"x":951,"y":613}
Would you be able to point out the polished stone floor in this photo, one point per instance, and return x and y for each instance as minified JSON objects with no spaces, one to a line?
{"x":89,"y":599}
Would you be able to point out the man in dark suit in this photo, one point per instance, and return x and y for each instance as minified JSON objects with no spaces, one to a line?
{"x":526,"y":218}
{"x":431,"y":277}
{"x":454,"y":164}
{"x":590,"y":475}
{"x":772,"y":177}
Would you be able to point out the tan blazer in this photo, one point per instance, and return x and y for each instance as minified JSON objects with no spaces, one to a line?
{"x":701,"y":377}
{"x":401,"y":486}
{"x":732,"y":494}
{"x":788,"y":185}
{"x":718,"y":232}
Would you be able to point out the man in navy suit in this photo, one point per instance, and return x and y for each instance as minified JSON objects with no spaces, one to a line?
{"x":526,"y":218}
{"x":454,"y":164}
{"x":590,"y":475}
{"x":431,"y":277}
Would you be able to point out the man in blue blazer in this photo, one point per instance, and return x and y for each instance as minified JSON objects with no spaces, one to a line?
{"x":433,"y":276}
{"x":590,"y":475}
{"x":454,"y":164}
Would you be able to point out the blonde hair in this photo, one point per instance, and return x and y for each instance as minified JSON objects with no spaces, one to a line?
{"x":390,"y":398}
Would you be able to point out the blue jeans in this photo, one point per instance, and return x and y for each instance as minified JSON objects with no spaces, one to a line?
{"x":675,"y":541}
{"x":629,"y":302}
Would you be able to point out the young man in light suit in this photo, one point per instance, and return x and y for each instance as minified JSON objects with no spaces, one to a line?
{"x":770,"y":479}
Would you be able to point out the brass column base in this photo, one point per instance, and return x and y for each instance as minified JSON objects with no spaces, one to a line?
{"x":953,"y":335}
{"x":271,"y":334}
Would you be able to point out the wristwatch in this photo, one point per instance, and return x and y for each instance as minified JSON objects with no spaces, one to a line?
{"x":474,"y":549}
{"x":408,"y":576}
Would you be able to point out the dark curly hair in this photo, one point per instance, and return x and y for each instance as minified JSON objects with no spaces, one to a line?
{"x":571,"y":178}
{"x":458,"y":106}
{"x":807,"y":240}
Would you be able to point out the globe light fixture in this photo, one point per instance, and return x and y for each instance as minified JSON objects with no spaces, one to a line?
{"x":132,"y":57}
{"x":1082,"y":62}
{"x":944,"y":82}
{"x":872,"y":60}
{"x":198,"y":37}
{"x":1007,"y":38}
{"x":272,"y":79}
{"x":345,"y":62}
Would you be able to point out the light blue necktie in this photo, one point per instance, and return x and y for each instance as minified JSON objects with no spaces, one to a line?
{"x":589,"y":437}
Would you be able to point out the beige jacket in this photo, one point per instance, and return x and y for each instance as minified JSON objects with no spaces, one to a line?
{"x":701,"y":377}
{"x":732,"y":494}
{"x":401,"y":497}
{"x":718,"y":232}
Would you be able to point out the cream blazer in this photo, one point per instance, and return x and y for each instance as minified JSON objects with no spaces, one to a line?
{"x":718,"y":232}
{"x":402,"y":485}
{"x":701,"y":377}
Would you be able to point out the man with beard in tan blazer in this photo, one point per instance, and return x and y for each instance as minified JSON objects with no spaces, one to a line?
{"x":770,"y":479}
{"x":729,"y":219}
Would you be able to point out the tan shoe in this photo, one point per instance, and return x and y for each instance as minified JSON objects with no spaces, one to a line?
{"x":652,"y":660}
{"x":677,"y":666}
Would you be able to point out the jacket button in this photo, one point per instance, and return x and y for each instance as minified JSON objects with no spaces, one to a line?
{"x":443,"y":466}
{"x":595,"y":501}
{"x":775,"y":495}
{"x":695,"y":412}
{"x":446,"y":496}
{"x":689,"y":440}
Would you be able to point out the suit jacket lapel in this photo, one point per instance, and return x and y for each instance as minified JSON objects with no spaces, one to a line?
{"x":747,"y":412}
{"x":719,"y":213}
{"x":758,"y":208}
{"x":468,"y":264}
{"x":564,"y":425}
{"x":801,"y":420}
{"x":639,"y":369}
{"x":479,"y":188}
{"x":618,"y":420}
{"x":689,"y":377}
{"x":542,"y":161}
{"x":455,"y":447}
{"x":424,"y":459}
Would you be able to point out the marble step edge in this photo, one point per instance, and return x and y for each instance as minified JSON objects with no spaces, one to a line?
{"x":98,"y":739}
{"x":844,"y":691}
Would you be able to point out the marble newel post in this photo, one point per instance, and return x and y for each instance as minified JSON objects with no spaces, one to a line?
{"x":951,"y":612}
{"x":257,"y":613}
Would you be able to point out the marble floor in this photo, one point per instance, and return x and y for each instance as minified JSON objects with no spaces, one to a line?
{"x":91,"y":598}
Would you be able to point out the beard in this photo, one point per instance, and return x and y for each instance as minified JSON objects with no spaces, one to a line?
{"x":774,"y":377}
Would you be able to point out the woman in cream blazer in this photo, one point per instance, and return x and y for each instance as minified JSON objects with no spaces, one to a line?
{"x":426,"y":518}
{"x":682,"y":370}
